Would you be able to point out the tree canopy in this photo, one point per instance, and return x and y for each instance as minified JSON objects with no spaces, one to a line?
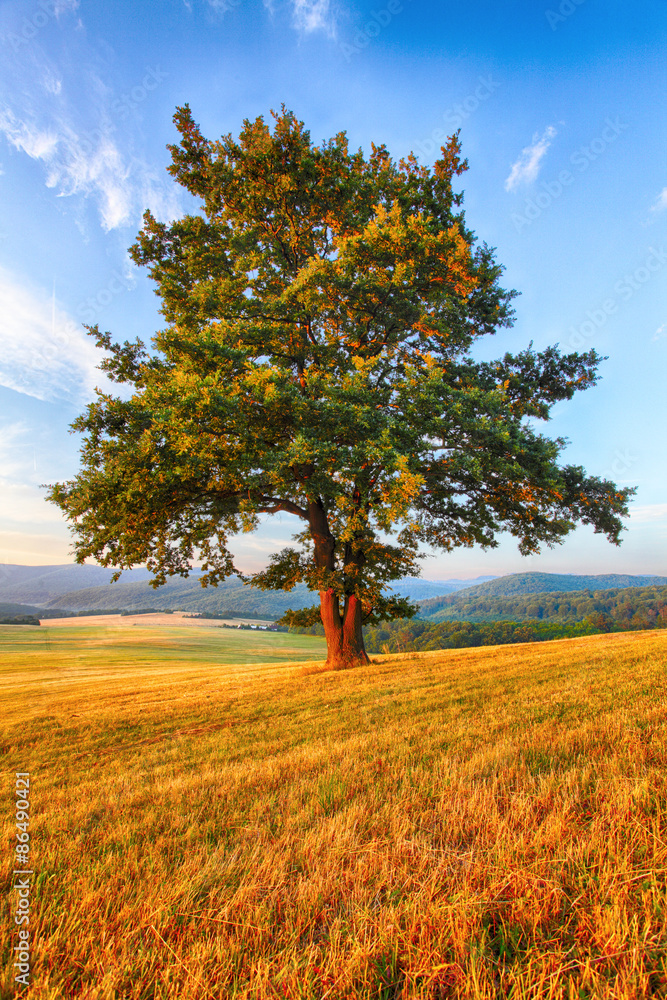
{"x":321,"y":309}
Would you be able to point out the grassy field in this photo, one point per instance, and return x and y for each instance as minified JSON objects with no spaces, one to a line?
{"x":468,"y":824}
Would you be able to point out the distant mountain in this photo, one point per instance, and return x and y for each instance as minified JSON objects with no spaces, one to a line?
{"x":186,"y":594}
{"x":41,"y":584}
{"x":83,"y":588}
{"x":510,"y":596}
{"x":230,"y":596}
{"x":417,"y":589}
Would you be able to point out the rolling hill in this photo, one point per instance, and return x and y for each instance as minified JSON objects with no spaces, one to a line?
{"x":229,"y":597}
{"x":43,"y":584}
{"x":618,"y":603}
{"x":76,"y":588}
{"x":467,"y":606}
{"x":80,"y":588}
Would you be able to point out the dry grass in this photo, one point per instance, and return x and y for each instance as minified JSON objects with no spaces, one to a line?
{"x":466,"y":824}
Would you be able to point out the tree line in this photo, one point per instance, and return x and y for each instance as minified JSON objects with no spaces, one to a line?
{"x":583,"y":613}
{"x":623,"y":604}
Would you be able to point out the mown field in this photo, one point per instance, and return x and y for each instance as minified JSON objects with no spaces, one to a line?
{"x":472,"y":823}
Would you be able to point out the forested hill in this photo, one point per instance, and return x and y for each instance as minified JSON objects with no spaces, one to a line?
{"x":230,"y":597}
{"x":77,"y":588}
{"x":80,"y":588}
{"x":42,"y":584}
{"x":522,"y":584}
{"x":620,"y":604}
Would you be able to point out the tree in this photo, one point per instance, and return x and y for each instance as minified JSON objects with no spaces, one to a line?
{"x":321,"y":309}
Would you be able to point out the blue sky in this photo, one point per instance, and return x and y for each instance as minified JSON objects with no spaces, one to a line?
{"x":561,"y":107}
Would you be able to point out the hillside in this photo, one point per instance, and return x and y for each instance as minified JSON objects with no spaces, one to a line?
{"x":620,"y":604}
{"x":229,"y":597}
{"x":82,"y":588}
{"x":521,"y":584}
{"x":10,"y":609}
{"x":473,"y":824}
{"x":77,"y":588}
{"x":43,"y":584}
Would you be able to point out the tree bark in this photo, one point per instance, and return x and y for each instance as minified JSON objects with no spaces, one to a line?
{"x":354,"y":651}
{"x":343,"y":632}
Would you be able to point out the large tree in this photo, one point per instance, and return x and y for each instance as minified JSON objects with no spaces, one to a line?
{"x":316,"y":360}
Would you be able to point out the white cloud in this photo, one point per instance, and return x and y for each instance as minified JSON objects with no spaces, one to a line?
{"x":648,"y":513}
{"x":65,"y":6}
{"x":39,"y":144}
{"x":52,"y":84}
{"x":661,"y":203}
{"x":85,"y":152}
{"x":44,"y":353}
{"x":307,"y":15}
{"x":313,"y":15}
{"x":527,"y":167}
{"x":92,"y":165}
{"x":661,"y":332}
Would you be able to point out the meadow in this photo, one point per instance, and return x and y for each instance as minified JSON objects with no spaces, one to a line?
{"x":215,"y":816}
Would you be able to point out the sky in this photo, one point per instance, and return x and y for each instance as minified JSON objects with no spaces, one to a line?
{"x":561,"y":109}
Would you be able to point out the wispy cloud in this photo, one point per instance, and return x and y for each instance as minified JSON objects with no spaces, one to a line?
{"x":44,"y":353}
{"x":65,"y":6}
{"x":84,"y":152}
{"x":661,"y":202}
{"x":91,"y":165}
{"x":527,"y":167}
{"x":307,"y":15}
{"x":39,"y":144}
{"x":661,"y":332}
{"x":648,"y":513}
{"x":52,"y":84}
{"x":313,"y":15}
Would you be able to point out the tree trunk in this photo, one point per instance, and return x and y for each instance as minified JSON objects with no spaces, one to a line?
{"x":343,"y":633}
{"x":353,"y":635}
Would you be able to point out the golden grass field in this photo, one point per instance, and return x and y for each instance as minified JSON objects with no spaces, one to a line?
{"x":207,"y":823}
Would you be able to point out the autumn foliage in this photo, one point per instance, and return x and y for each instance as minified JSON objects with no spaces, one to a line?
{"x":321,"y":310}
